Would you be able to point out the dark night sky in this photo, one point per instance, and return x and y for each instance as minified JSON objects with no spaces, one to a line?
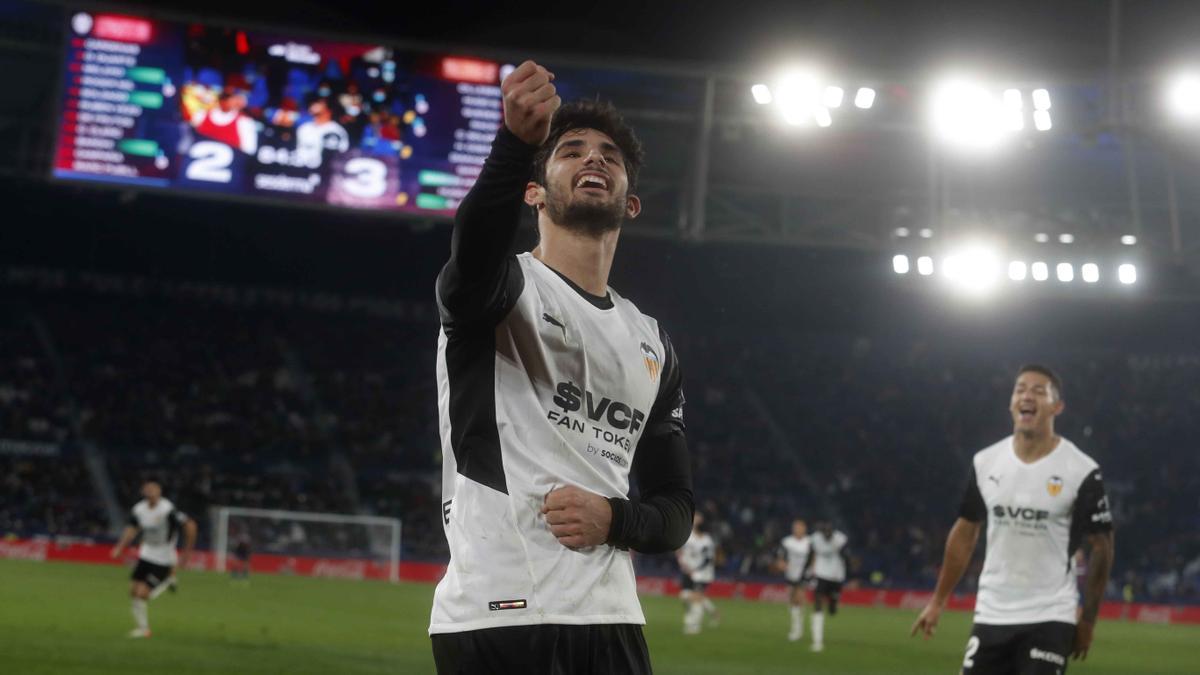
{"x":893,"y":37}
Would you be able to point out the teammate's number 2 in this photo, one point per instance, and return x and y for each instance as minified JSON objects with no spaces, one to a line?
{"x":210,"y":162}
{"x":972,"y":647}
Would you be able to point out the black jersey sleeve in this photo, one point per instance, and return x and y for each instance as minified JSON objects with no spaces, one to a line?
{"x":482,"y":280}
{"x":666,"y":415}
{"x":661,"y":518}
{"x":972,"y":507}
{"x":1091,"y":514}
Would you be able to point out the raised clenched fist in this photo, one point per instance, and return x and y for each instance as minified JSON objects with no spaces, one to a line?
{"x":530,"y":100}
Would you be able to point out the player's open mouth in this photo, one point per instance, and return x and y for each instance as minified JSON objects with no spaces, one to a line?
{"x":1027,"y":413}
{"x":592,"y":181}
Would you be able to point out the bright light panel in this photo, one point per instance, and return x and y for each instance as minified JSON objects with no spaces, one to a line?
{"x":1066,"y":238}
{"x":1041,"y":237}
{"x":761,"y":93}
{"x":1041,"y":99}
{"x":974,"y":269}
{"x":821,"y":115}
{"x":798,"y":96}
{"x":926,"y":233}
{"x":1016,"y":270}
{"x":1127,"y":273}
{"x":833,"y":96}
{"x":1041,"y":120}
{"x":900,"y":264}
{"x":1040,"y":271}
{"x":902,"y":232}
{"x":1090,"y":273}
{"x":925,"y":265}
{"x":1066,"y":272}
{"x":1183,"y":96}
{"x":1014,"y":118}
{"x":864,"y":98}
{"x":1129,"y":240}
{"x":967,"y":115}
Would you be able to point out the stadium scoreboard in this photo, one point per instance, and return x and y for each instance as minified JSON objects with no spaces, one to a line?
{"x":165,"y":104}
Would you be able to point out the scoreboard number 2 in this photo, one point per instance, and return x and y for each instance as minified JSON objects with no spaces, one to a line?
{"x":210,"y":162}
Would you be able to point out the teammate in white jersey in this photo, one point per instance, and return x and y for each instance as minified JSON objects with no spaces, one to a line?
{"x":553,"y":392}
{"x":159,"y":523}
{"x":698,"y":568}
{"x":794,"y":552}
{"x":1042,"y":498}
{"x":827,"y":563}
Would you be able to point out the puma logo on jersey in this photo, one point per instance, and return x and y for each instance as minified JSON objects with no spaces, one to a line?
{"x":553,"y":321}
{"x":994,"y":479}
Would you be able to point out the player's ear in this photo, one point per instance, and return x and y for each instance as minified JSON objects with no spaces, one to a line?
{"x":1059,"y":406}
{"x":633,"y":206}
{"x":535,"y":195}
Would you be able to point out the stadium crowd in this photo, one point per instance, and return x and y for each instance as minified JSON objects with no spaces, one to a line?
{"x":240,"y":397}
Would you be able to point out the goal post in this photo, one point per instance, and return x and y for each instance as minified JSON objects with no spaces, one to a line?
{"x":330,"y":535}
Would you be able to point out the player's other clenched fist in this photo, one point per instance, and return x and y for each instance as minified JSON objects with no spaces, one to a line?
{"x":530,"y":100}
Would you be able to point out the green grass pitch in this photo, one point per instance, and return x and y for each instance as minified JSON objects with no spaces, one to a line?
{"x":60,"y":618}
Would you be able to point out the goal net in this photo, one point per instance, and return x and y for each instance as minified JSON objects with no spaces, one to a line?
{"x":373,"y":542}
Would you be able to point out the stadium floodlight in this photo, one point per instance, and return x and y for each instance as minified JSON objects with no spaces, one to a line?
{"x":1090,"y":272}
{"x":973,"y":269}
{"x":1066,"y":272}
{"x":1014,"y":118}
{"x":965,"y":114}
{"x":1127,"y":273}
{"x":1039,"y":271}
{"x":1016,"y":270}
{"x":902,"y":232}
{"x":1129,"y":240}
{"x":821,"y":115}
{"x":1041,"y":120}
{"x":1041,"y":237}
{"x":864,"y":98}
{"x":900,"y":264}
{"x":761,"y":93}
{"x":1066,"y":238}
{"x":1183,"y":96}
{"x":1041,"y":99}
{"x":833,"y":96}
{"x":798,"y":95}
{"x":925,"y":233}
{"x":925,"y":265}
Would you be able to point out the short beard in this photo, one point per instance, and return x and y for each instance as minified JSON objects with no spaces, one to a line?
{"x":590,"y":219}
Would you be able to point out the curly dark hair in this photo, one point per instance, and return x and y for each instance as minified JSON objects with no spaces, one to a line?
{"x":1055,"y":380}
{"x":601,"y":116}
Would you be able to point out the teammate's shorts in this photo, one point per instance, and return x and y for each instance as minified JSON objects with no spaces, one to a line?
{"x":1025,"y":649}
{"x":546,"y":648}
{"x":686,"y":583}
{"x":830,"y":589}
{"x":150,"y":573}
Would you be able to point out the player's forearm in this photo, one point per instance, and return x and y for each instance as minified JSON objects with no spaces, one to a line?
{"x":1099,"y":567}
{"x":127,"y":536}
{"x":485,"y":224}
{"x":662,"y":519}
{"x":189,"y":537}
{"x":960,"y":545}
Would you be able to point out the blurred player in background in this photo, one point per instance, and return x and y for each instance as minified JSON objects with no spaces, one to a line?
{"x":1042,"y":498}
{"x":827,"y":563}
{"x":239,"y":568}
{"x":159,"y":523}
{"x":698,"y":568}
{"x":794,"y":552}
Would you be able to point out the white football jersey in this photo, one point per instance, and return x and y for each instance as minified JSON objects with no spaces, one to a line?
{"x":827,"y":555}
{"x":1037,"y":515}
{"x":796,"y":550}
{"x":558,"y":392}
{"x":700,"y":556}
{"x":160,"y":525}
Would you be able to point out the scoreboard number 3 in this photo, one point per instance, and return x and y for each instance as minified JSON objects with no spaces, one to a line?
{"x":366,"y":178}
